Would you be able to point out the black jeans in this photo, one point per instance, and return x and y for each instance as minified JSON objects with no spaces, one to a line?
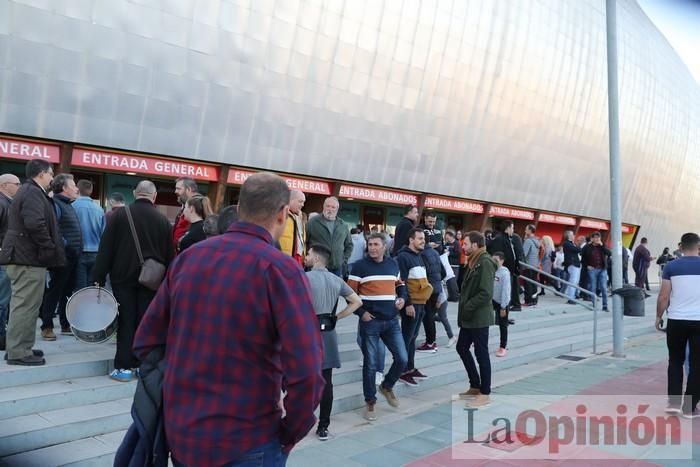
{"x":133,"y":301}
{"x":480,"y":338}
{"x":324,"y":416}
{"x":514,"y":290}
{"x":530,"y":288}
{"x":502,"y":324}
{"x":409,"y":330}
{"x":61,"y":287}
{"x":678,"y":334}
{"x":429,"y":319}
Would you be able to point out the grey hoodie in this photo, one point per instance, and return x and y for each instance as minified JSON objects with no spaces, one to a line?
{"x":531,"y":247}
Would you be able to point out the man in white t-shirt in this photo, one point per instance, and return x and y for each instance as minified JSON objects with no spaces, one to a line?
{"x":680,"y":298}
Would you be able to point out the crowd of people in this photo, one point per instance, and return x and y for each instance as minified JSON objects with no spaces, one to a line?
{"x":243,"y":304}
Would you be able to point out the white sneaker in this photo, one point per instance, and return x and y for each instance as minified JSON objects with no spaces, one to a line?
{"x":452,"y":341}
{"x":378,"y":378}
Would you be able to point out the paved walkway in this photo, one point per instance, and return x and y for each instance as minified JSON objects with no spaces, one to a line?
{"x":420,"y":432}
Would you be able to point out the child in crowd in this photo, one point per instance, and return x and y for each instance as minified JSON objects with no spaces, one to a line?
{"x":501,"y":300}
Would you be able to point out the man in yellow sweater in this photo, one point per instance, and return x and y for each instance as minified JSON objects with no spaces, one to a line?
{"x":293,"y":239}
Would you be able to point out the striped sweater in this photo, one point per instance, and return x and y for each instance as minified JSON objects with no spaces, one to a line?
{"x":414,"y":274}
{"x":378,"y":285}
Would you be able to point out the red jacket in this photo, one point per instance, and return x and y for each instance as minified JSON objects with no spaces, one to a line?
{"x":181,"y":227}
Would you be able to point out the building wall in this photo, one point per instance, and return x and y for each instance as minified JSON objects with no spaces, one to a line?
{"x":496,"y":100}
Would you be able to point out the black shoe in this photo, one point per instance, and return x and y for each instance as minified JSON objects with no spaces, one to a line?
{"x":516,"y":308}
{"x":571,"y":302}
{"x":511,"y":321}
{"x":36,"y":352}
{"x":646,"y":295}
{"x":31,"y":360}
{"x":2,"y":342}
{"x":605,"y":308}
{"x":322,"y":434}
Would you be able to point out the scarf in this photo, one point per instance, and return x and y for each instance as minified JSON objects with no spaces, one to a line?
{"x":474,"y":257}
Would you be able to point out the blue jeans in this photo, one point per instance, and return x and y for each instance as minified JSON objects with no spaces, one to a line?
{"x":598,"y":279}
{"x":267,"y":455}
{"x":480,"y":379}
{"x":381,"y":350}
{"x":389,"y":333}
{"x":574,"y":276}
{"x":5,"y":295}
{"x":409,"y":329}
{"x":85,"y":265}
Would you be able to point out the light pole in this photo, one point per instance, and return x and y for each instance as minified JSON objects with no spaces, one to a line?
{"x":614,"y":147}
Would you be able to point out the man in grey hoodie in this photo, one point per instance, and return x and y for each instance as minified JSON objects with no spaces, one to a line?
{"x":531,"y":248}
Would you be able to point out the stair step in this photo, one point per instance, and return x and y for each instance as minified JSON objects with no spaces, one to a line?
{"x":58,"y":367}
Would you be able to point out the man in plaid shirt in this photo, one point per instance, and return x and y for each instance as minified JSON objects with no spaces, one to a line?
{"x":236,"y":318}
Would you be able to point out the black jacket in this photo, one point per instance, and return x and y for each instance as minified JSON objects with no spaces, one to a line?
{"x":401,"y":234}
{"x":571,"y":253}
{"x":502,"y":242}
{"x":193,"y":235}
{"x":433,"y":268}
{"x":518,"y":247}
{"x":5,"y":204}
{"x":587,"y":255}
{"x":455,"y":254}
{"x":117,"y":254}
{"x":32,"y":237}
{"x":435,"y":236}
{"x":69,"y":226}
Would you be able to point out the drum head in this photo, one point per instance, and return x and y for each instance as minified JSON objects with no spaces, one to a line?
{"x":91,"y":309}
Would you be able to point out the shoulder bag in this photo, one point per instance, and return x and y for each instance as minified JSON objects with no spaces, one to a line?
{"x":152,"y":271}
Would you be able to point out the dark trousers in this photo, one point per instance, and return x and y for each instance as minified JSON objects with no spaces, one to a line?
{"x":460,"y":276}
{"x":502,"y":324}
{"x":84,"y":272}
{"x":514,"y":290}
{"x":133,"y":301}
{"x":429,"y":319}
{"x":480,"y":379}
{"x":324,"y":416}
{"x":530,"y":288}
{"x":680,"y":333}
{"x":409,"y":330}
{"x":61,"y":286}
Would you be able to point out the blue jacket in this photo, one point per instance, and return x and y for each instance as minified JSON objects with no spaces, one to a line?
{"x":92,"y":222}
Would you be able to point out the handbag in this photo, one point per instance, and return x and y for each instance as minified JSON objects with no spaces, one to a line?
{"x":152,"y":272}
{"x":327,"y":321}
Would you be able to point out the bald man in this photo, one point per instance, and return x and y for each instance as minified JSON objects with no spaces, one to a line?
{"x":293,"y":239}
{"x":9,"y":184}
{"x":117,"y":257}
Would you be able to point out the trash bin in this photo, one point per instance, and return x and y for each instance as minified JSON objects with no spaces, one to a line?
{"x":633,"y":300}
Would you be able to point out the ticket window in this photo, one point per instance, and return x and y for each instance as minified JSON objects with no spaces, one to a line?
{"x":556,"y":231}
{"x":373,"y":217}
{"x":518,"y":225}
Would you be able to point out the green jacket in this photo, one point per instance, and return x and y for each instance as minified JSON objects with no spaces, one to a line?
{"x":475,"y":306}
{"x":340,"y":243}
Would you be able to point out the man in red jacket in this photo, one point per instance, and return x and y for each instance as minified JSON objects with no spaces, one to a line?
{"x":185,"y":188}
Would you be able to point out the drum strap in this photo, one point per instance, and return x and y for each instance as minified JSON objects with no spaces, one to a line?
{"x":134,"y":234}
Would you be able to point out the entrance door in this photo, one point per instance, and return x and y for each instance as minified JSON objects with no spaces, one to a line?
{"x":373,"y":216}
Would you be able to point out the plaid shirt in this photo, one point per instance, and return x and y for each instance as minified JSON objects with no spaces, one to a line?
{"x":236,"y":316}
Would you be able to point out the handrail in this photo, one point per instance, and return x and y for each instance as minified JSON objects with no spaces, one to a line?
{"x":556,"y":292}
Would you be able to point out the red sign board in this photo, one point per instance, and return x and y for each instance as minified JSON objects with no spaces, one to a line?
{"x":93,"y":158}
{"x":318,"y":187}
{"x":626,"y":229}
{"x":501,"y":211}
{"x":374,"y":194}
{"x":594,"y":224}
{"x":28,"y":150}
{"x":557,"y":219}
{"x":450,"y":204}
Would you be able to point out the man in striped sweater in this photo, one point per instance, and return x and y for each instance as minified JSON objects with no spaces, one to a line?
{"x":376,"y":280}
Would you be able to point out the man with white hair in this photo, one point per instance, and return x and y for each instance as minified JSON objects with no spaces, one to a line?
{"x":9,"y":184}
{"x":333,"y":233}
{"x":293,"y":239}
{"x":118,"y":257}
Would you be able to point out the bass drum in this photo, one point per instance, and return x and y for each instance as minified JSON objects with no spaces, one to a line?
{"x":92,"y":313}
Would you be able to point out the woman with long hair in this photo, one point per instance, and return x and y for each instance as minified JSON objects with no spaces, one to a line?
{"x":196,"y":210}
{"x":546,"y":261}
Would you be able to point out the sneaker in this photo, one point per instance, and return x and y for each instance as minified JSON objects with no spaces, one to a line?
{"x":501,"y":352}
{"x":692,"y":414}
{"x":48,"y":335}
{"x":389,"y":396}
{"x":511,"y":322}
{"x":66,"y":331}
{"x":673,"y":408}
{"x":605,"y":308}
{"x":408,"y":380}
{"x":122,"y":375}
{"x":428,"y":348}
{"x":470,"y":394}
{"x":452,"y":341}
{"x":415,"y":374}
{"x":571,"y":302}
{"x":370,"y":413}
{"x":378,"y":378}
{"x":322,"y":434}
{"x":478,"y":402}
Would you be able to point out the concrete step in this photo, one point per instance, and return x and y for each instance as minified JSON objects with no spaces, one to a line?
{"x":95,"y":451}
{"x":24,"y":400}
{"x":43,"y":429}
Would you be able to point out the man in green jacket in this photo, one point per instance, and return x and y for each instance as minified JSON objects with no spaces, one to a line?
{"x":331,"y":232}
{"x":474,"y":318}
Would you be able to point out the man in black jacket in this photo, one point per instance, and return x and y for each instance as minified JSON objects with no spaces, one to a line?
{"x":572,"y":264}
{"x":9,"y":184}
{"x":117,"y":257}
{"x":503,"y":242}
{"x":31,"y":245}
{"x":63,"y":279}
{"x":407,"y":222}
{"x":433,"y":235}
{"x":436,"y":273}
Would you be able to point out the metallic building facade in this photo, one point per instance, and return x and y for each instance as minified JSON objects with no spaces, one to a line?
{"x":495,"y":100}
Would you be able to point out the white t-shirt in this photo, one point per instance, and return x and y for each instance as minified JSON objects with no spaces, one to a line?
{"x":684,"y":274}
